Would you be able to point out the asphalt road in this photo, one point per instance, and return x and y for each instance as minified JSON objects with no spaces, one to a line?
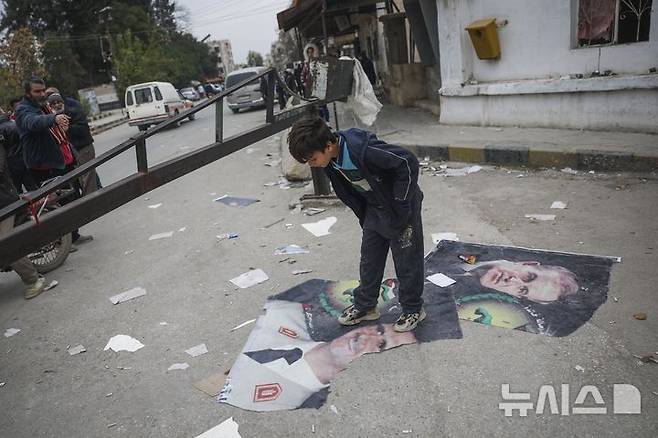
{"x":445,"y":388}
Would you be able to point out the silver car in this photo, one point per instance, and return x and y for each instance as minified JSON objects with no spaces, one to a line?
{"x":249,"y":96}
{"x":190,"y":93}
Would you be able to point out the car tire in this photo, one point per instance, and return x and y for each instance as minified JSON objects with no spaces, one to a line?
{"x":177,"y":124}
{"x":191,"y":117}
{"x":235,"y":110}
{"x":142,"y":127}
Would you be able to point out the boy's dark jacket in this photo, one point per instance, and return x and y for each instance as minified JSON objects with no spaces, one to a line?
{"x":391,"y":172}
{"x":39,"y":147}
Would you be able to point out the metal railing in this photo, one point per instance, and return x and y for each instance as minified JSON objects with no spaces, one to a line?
{"x":29,"y":236}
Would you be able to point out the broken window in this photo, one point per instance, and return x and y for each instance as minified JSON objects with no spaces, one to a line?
{"x":602,"y":22}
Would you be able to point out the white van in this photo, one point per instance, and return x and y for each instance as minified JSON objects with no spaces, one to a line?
{"x":250,"y":95}
{"x":153,"y":102}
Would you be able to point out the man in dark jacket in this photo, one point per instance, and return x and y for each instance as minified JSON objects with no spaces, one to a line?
{"x":379,"y":182}
{"x":20,"y":174}
{"x":79,"y":134}
{"x":34,"y":284}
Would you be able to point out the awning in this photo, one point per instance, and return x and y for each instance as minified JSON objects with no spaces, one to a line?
{"x":306,"y":15}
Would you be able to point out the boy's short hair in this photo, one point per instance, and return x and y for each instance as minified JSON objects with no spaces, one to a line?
{"x":307,"y":136}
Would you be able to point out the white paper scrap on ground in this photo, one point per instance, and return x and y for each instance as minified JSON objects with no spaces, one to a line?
{"x":301,"y":271}
{"x":123,"y":343}
{"x":441,"y":280}
{"x":541,"y":217}
{"x":334,"y":409}
{"x":290,"y":249}
{"x":250,"y":278}
{"x":128,"y":295}
{"x":569,"y":170}
{"x":179,"y":366}
{"x":161,"y":235}
{"x":320,"y":228}
{"x":11,"y":332}
{"x":242,"y":325}
{"x":154,"y":206}
{"x":197,"y":350}
{"x":559,"y":205}
{"x":53,"y":284}
{"x":76,"y":350}
{"x":180,"y":230}
{"x":226,"y":429}
{"x":437,"y":237}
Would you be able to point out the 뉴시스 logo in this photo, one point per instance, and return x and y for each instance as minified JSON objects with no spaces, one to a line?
{"x":626,"y":399}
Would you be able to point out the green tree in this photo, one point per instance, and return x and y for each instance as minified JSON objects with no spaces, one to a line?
{"x":20,"y":58}
{"x":254,"y":59}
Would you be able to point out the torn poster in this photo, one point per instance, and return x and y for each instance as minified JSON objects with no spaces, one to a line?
{"x":298,"y":347}
{"x":234,"y":201}
{"x":537,"y":291}
{"x":320,"y":228}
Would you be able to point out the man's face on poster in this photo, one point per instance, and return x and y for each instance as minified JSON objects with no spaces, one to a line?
{"x":529,"y":280}
{"x":369,"y":339}
{"x":341,"y":293}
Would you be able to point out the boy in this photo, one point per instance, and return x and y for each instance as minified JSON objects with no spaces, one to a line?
{"x":379,"y":182}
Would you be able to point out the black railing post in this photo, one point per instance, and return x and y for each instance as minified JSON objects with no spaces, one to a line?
{"x":219,"y":121}
{"x":140,"y":152}
{"x":269,"y":98}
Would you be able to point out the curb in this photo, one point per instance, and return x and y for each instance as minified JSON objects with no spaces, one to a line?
{"x":525,"y":156}
{"x":105,"y":126}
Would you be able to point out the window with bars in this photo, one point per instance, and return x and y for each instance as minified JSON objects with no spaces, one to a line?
{"x":606,"y":22}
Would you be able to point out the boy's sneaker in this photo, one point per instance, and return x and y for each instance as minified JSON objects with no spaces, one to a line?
{"x":408,"y":321}
{"x":353,"y":316}
{"x":35,"y":288}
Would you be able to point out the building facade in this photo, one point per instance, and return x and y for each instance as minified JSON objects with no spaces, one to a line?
{"x":222,"y":48}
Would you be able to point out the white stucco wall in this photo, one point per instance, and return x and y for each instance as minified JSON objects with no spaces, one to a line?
{"x":536,"y":43}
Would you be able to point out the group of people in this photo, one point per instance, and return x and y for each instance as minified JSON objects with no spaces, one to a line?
{"x":45,"y":135}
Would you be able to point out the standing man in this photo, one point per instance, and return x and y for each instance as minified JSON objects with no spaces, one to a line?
{"x":19,"y":173}
{"x":47,"y":151}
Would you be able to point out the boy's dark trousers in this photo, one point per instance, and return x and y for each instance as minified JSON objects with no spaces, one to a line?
{"x":408,"y":257}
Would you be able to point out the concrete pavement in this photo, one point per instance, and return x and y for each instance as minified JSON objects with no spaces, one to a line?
{"x":446,"y":388}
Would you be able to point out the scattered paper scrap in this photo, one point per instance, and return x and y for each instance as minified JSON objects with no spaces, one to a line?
{"x":437,"y":237}
{"x":11,"y":332}
{"x":541,"y":217}
{"x":164,"y":323}
{"x":290,"y":249}
{"x":301,"y":271}
{"x":320,"y":228}
{"x":579,"y":368}
{"x":123,"y":343}
{"x":197,"y":350}
{"x":154,"y":206}
{"x":441,"y":280}
{"x":242,"y":325}
{"x":334,"y":409}
{"x":211,"y":385}
{"x":225,"y":236}
{"x":130,"y":251}
{"x":76,"y":350}
{"x":233,"y":201}
{"x":2,"y":384}
{"x":313,"y":211}
{"x":226,"y":429}
{"x":53,"y":284}
{"x":569,"y":170}
{"x":463,"y":171}
{"x":161,"y":235}
{"x":128,"y":295}
{"x":179,"y":366}
{"x":250,"y":278}
{"x":559,"y":205}
{"x":180,"y":230}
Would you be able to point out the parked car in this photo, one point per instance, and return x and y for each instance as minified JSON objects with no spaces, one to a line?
{"x":151,"y":103}
{"x":248,"y":96}
{"x":212,"y":89}
{"x":190,"y":93}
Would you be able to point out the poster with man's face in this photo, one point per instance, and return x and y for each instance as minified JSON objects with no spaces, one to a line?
{"x":536,"y":291}
{"x":297,"y":347}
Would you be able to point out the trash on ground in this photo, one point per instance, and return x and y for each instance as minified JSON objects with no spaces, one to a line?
{"x":559,"y":205}
{"x":234,"y":201}
{"x":278,"y":221}
{"x":646,"y":358}
{"x":437,"y":237}
{"x":641,"y":316}
{"x":462,"y":171}
{"x":334,"y":409}
{"x":226,"y":429}
{"x":579,"y":368}
{"x":128,"y":295}
{"x":470,"y":259}
{"x":242,"y":325}
{"x":290,"y":249}
{"x":405,"y":431}
{"x":226,"y":236}
{"x":197,"y":350}
{"x":301,"y":271}
{"x":211,"y":385}
{"x":520,"y":175}
{"x":179,"y":366}
{"x":161,"y":235}
{"x":180,"y":230}
{"x":273,"y":163}
{"x":2,"y":384}
{"x":154,"y":206}
{"x":320,"y":228}
{"x":130,"y":251}
{"x":569,"y":170}
{"x":11,"y":332}
{"x":123,"y":343}
{"x":164,"y":323}
{"x":313,"y":211}
{"x":441,"y":280}
{"x":250,"y":278}
{"x":615,"y":299}
{"x":112,"y":425}
{"x":541,"y":217}
{"x":76,"y":350}
{"x":288,"y":226}
{"x":53,"y":284}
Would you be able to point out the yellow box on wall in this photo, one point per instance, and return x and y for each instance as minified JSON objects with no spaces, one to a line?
{"x":484,"y":37}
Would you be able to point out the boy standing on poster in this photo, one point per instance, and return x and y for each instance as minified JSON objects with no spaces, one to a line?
{"x":379,"y":182}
